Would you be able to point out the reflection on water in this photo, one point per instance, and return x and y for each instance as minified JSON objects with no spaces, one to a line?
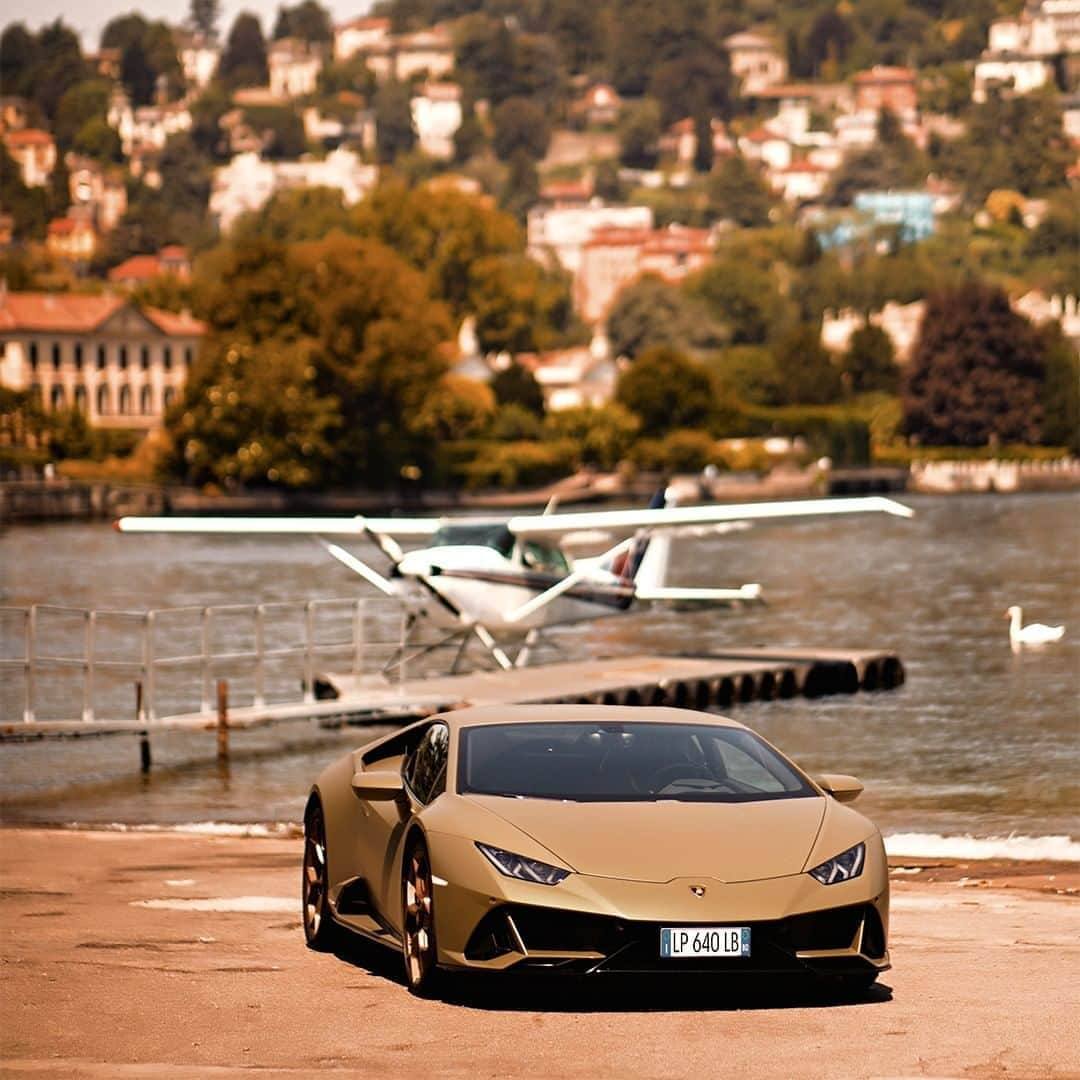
{"x":980,"y":740}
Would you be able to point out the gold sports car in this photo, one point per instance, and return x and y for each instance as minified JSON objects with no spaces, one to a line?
{"x":589,"y":839}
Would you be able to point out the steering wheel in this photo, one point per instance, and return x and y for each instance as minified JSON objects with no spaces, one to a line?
{"x":679,"y":770}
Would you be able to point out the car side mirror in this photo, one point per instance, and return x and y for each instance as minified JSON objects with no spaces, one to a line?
{"x":842,"y":788}
{"x":377,"y":785}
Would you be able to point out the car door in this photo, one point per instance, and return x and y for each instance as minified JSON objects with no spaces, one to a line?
{"x":424,"y":773}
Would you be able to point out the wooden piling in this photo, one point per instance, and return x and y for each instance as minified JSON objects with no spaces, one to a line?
{"x":145,"y":760}
{"x":222,"y":720}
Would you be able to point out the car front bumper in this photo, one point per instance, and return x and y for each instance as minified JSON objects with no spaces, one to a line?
{"x":487,"y":921}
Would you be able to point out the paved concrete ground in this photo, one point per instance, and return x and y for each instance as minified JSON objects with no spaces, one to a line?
{"x":102,"y":979}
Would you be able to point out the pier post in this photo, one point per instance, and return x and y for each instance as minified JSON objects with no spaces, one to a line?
{"x":222,"y":720}
{"x":145,"y":760}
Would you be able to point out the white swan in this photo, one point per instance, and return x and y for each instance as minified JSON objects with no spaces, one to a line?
{"x":1034,"y":634}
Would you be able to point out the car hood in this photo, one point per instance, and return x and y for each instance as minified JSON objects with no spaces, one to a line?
{"x":661,"y":841}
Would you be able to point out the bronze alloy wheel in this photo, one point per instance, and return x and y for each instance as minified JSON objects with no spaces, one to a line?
{"x":318,"y":921}
{"x":418,"y":920}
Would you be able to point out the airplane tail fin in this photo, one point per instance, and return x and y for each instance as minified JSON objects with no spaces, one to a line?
{"x":646,"y":562}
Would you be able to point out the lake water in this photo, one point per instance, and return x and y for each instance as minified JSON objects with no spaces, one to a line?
{"x":981,"y":742}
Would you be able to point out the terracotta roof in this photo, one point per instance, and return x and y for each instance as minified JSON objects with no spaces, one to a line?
{"x":60,"y":312}
{"x":168,"y":322}
{"x":28,"y":137}
{"x":616,"y":237}
{"x":62,"y":225}
{"x":173,"y":253}
{"x":763,"y":134}
{"x":137,"y":268}
{"x":74,"y":313}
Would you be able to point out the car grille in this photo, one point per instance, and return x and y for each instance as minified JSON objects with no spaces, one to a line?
{"x":630,"y":946}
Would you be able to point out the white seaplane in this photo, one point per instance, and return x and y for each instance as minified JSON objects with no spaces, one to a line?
{"x":510,"y":579}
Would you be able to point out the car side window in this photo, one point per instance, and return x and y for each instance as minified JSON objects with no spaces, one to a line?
{"x":426,"y":769}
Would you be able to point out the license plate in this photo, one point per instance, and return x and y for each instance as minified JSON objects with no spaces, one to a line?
{"x":676,"y":941}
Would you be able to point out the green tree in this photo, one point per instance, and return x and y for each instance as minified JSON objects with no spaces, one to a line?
{"x":28,"y":206}
{"x":516,"y":385}
{"x":1011,"y":142}
{"x":253,"y":416}
{"x":441,"y":232}
{"x":147,"y":54}
{"x":738,"y":192}
{"x":666,"y":390}
{"x":521,"y":124}
{"x":639,"y":134}
{"x":869,"y":362}
{"x":394,"y":130}
{"x":741,"y":297}
{"x":695,"y":82}
{"x":203,"y":17}
{"x":281,"y":129}
{"x":604,"y":433}
{"x":295,"y":214}
{"x":243,"y":61}
{"x":41,"y":67}
{"x":80,"y":105}
{"x":519,"y":305}
{"x":307,"y":20}
{"x":805,"y":371}
{"x":521,"y":187}
{"x":1061,"y":389}
{"x":977,"y":371}
{"x":652,"y":312}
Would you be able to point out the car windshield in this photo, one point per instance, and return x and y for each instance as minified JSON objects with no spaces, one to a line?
{"x":626,"y":762}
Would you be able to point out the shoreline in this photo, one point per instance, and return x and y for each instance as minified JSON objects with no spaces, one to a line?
{"x":136,"y":954}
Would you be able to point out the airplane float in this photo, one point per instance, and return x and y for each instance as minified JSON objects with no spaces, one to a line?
{"x":488,"y":579}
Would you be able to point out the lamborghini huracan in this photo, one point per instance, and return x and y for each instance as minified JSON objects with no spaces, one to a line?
{"x":590,"y":839}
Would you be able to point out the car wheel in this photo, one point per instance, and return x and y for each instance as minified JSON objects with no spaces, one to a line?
{"x":418,"y":920}
{"x":319,"y":926}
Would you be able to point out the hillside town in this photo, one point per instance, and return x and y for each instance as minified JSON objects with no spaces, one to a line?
{"x":585,"y":215}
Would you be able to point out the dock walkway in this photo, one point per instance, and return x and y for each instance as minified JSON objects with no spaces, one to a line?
{"x":717,"y":680}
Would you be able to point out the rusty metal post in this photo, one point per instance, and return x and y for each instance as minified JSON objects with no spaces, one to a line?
{"x":222,"y":720}
{"x":145,"y":760}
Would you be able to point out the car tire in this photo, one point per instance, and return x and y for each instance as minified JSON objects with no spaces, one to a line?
{"x":418,"y":921}
{"x":320,"y":930}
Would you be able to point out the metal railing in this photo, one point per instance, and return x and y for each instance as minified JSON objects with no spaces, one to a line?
{"x":80,"y":650}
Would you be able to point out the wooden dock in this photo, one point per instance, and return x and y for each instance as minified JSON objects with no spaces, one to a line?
{"x":717,"y":680}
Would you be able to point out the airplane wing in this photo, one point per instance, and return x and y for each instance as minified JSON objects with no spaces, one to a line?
{"x":745,"y":594}
{"x":405,"y":528}
{"x":553,"y":526}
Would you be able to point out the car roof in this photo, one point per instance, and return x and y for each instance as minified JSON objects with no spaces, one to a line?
{"x":478,"y":715}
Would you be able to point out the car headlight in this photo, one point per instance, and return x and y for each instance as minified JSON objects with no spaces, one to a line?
{"x":842,"y":867}
{"x":517,"y":866}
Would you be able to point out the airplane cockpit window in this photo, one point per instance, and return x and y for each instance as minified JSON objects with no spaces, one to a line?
{"x":537,"y":556}
{"x":496,"y":536}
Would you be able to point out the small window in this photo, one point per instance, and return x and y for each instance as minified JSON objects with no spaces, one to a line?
{"x":425,"y":771}
{"x":78,"y":356}
{"x":189,"y":355}
{"x":125,"y":400}
{"x":57,"y":398}
{"x":145,"y":401}
{"x":144,"y":357}
{"x":33,"y":356}
{"x":123,"y":358}
{"x":104,"y":404}
{"x":80,"y":398}
{"x":170,"y":396}
{"x":101,"y":357}
{"x":56,"y":355}
{"x":166,"y":357}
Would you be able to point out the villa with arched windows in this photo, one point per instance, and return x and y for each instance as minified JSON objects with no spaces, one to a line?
{"x":121,"y":365}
